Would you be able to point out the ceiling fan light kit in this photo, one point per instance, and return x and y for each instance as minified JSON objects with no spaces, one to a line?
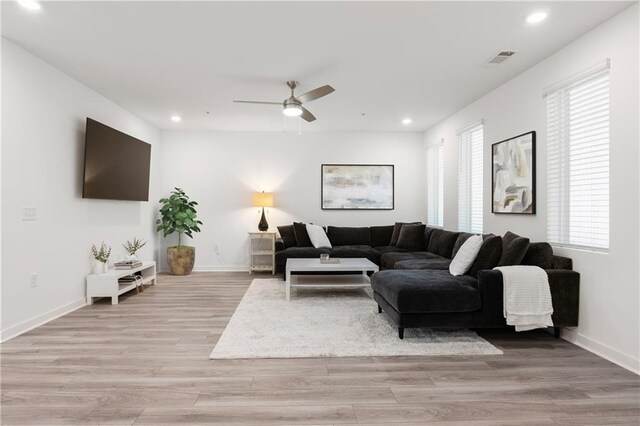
{"x":292,"y":106}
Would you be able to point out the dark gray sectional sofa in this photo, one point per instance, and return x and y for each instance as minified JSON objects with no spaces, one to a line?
{"x":414,"y":286}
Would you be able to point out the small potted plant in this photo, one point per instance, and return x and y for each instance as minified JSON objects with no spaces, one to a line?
{"x":101,"y":255}
{"x":132,"y":248}
{"x":178,"y":214}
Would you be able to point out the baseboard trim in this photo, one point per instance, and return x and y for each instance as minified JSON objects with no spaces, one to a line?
{"x":18,"y":329}
{"x":607,"y":352}
{"x":217,"y":268}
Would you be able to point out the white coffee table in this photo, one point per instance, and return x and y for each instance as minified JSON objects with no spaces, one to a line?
{"x":333,"y":273}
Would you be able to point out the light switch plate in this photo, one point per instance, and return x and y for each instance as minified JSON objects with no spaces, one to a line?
{"x":29,"y":214}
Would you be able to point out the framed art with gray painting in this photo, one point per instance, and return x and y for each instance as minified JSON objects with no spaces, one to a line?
{"x":513,"y":175}
{"x":357,"y":187}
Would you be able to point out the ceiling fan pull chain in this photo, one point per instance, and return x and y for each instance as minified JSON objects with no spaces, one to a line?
{"x":285,"y":123}
{"x":299,"y":126}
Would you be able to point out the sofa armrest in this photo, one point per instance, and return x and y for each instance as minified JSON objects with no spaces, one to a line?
{"x":561,"y":262}
{"x":565,"y":295}
{"x":279,"y":245}
{"x":491,"y":291}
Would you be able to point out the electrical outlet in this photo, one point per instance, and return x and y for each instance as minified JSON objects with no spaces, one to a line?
{"x":29,"y":214}
{"x":34,"y":280}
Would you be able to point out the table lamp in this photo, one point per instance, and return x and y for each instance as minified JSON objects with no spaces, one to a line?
{"x":263,"y":199}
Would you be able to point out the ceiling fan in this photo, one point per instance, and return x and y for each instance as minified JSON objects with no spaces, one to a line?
{"x":292,"y":106}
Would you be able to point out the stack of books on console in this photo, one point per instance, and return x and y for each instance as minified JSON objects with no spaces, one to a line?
{"x":127,"y":264}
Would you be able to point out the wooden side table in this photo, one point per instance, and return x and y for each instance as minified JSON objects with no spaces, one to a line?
{"x":262,"y":251}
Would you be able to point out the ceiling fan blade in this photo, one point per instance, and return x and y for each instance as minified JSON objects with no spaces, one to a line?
{"x":258,"y":102}
{"x":306,"y":115}
{"x":316,"y":93}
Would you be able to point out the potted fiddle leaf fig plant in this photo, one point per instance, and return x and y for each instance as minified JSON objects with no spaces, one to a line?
{"x":178,"y":214}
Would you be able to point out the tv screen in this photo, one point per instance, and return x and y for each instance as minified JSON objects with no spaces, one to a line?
{"x":116,"y":165}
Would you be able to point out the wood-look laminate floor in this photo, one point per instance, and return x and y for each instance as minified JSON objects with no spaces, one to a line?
{"x":145,"y":361}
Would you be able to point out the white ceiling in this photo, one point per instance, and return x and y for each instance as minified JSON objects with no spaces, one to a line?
{"x":423,"y":60}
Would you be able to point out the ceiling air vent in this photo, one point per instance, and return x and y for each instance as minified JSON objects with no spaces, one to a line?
{"x":501,"y":57}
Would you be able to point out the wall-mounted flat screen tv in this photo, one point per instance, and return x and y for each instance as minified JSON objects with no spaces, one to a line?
{"x":116,"y":165}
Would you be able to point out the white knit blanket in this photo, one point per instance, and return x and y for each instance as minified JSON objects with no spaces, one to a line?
{"x":527,"y":297}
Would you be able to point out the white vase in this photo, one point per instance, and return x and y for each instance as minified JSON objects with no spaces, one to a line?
{"x":100,"y":267}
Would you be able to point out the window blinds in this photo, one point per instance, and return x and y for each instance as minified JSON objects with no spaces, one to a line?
{"x":470,"y":142}
{"x":435,"y":185}
{"x":578,"y":162}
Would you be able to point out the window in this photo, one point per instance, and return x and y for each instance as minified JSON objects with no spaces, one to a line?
{"x":470,"y":142}
{"x":435,"y":185}
{"x":578,"y":162}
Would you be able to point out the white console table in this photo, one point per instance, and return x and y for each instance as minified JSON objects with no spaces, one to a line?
{"x":106,"y":284}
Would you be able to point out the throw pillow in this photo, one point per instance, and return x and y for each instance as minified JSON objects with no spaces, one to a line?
{"x":288,"y":235}
{"x":514,"y":247}
{"x":466,"y":256}
{"x":396,"y":231}
{"x":539,"y":254}
{"x":488,"y":256}
{"x":317,"y":236}
{"x":411,"y":237}
{"x":302,"y":237}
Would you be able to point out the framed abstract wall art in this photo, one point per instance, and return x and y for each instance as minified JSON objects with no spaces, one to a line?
{"x":357,"y":187}
{"x":513,"y":175}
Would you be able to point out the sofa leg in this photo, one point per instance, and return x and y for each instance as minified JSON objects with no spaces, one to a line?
{"x":556,"y":332}
{"x":379,"y":309}
{"x":401,"y":333}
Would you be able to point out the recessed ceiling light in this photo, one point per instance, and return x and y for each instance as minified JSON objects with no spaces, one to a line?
{"x":536,"y":17}
{"x":30,"y":4}
{"x":176,"y":118}
{"x":406,"y":121}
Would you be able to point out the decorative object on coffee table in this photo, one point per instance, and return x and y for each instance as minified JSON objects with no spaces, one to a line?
{"x":357,"y":187}
{"x":101,"y":255}
{"x":263,"y":199}
{"x":262,"y":252}
{"x":178,"y":214}
{"x":513,"y":175}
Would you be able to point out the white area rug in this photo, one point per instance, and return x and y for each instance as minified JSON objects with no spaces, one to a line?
{"x":329,"y":323}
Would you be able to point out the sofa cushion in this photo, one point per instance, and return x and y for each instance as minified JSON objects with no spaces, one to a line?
{"x":514,"y":247}
{"x":439,"y":264}
{"x":411,"y":237}
{"x":488,"y":256}
{"x":389,"y":249}
{"x":302,"y":237}
{"x":539,"y":254}
{"x":441,"y":242}
{"x":318,"y":236}
{"x":381,"y":235}
{"x":298,"y":252}
{"x":465,"y":257}
{"x":388,"y":260}
{"x":396,"y":231}
{"x":288,"y":235}
{"x":347,"y":236}
{"x":427,"y":291}
{"x":427,"y":235}
{"x":357,"y":251}
{"x":462,"y":238}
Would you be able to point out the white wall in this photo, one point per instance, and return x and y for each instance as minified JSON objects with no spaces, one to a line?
{"x":609,"y":308}
{"x":221,"y":170}
{"x":43,"y":117}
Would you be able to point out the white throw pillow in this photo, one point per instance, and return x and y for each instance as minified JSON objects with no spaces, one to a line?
{"x":465,"y":256}
{"x":317,"y":236}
